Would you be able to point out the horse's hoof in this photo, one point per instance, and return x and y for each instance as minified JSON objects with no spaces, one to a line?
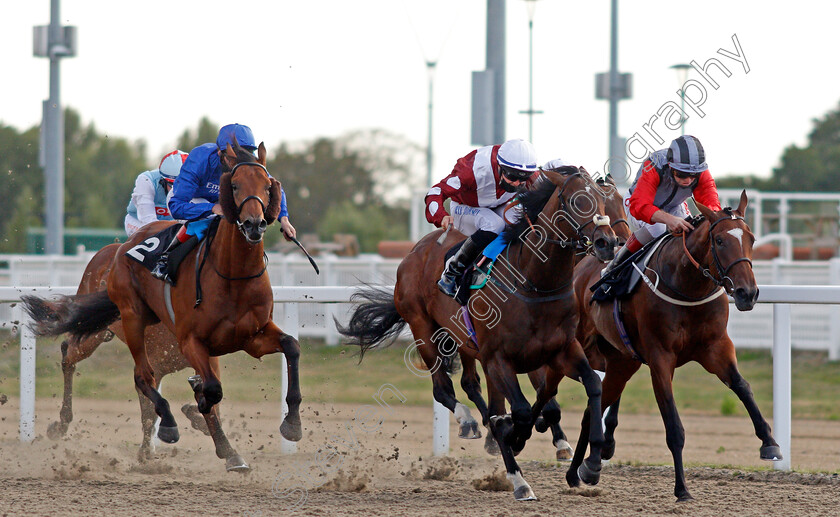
{"x":771,"y":453}
{"x":540,"y":424}
{"x":168,"y":434}
{"x":144,"y":454}
{"x":572,"y":478}
{"x":469,"y":430}
{"x":491,"y":446}
{"x":564,"y":450}
{"x":608,"y":450}
{"x":236,"y":464}
{"x":56,"y":430}
{"x":291,"y":432}
{"x":685,"y":498}
{"x":196,"y":419}
{"x":524,"y":493}
{"x":588,"y":474}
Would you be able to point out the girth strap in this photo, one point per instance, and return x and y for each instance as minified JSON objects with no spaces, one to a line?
{"x":622,"y":332}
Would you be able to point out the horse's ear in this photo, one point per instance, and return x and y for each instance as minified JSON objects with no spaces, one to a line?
{"x":742,"y":206}
{"x":261,"y":154}
{"x":230,"y":152}
{"x":707,"y":212}
{"x":556,"y":175}
{"x":273,"y":208}
{"x":226,"y":197}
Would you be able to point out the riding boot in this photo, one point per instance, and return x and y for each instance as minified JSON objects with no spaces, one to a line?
{"x":456,"y":265}
{"x":160,"y":270}
{"x":631,"y":246}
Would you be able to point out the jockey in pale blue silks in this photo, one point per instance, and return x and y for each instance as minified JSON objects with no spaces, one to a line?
{"x":195,"y":194}
{"x":148,"y":199}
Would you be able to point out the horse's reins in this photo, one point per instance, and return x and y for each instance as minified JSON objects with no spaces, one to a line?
{"x":723,"y":271}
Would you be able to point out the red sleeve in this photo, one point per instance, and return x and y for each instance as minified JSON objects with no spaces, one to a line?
{"x":641,"y":202}
{"x":706,"y":191}
{"x":461,"y":179}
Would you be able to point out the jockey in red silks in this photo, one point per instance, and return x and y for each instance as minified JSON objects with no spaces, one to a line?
{"x":148,"y":199}
{"x":480,"y":185}
{"x":656,"y":200}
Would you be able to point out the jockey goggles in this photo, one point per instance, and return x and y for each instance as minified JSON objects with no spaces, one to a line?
{"x":514,"y":174}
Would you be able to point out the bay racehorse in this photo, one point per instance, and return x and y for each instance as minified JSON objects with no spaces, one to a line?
{"x":679,"y":315}
{"x":235,"y":312}
{"x":526,"y":323}
{"x":164,"y":356}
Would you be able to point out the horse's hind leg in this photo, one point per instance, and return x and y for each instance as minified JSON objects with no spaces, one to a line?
{"x":720,"y":360}
{"x":144,"y":377}
{"x":471,"y":384}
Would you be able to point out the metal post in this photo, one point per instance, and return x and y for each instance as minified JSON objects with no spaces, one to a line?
{"x":54,"y":120}
{"x":440,"y":430}
{"x":496,"y":64}
{"x":27,"y":380}
{"x":430,"y":68}
{"x":781,"y":382}
{"x":531,"y":5}
{"x":682,"y":74}
{"x":615,"y":151}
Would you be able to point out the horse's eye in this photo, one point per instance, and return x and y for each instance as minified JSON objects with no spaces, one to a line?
{"x":234,"y":188}
{"x":719,"y":241}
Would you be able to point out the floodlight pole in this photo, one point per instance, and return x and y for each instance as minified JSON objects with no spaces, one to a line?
{"x":430,"y":68}
{"x":531,"y":5}
{"x":682,"y":75}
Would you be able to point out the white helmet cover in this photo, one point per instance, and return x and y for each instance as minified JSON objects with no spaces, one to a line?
{"x":518,"y":154}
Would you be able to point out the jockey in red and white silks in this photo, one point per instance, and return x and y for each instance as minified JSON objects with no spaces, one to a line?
{"x":148,"y":199}
{"x":480,"y":185}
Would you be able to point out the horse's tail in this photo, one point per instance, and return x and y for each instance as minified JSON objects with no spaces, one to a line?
{"x":375,"y":319}
{"x":81,"y":315}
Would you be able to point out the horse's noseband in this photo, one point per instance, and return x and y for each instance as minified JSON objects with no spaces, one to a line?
{"x":239,"y":207}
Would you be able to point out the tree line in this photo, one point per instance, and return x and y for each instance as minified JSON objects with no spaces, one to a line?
{"x":358,"y":183}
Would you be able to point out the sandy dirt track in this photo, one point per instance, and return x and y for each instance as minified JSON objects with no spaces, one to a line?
{"x":349,"y":465}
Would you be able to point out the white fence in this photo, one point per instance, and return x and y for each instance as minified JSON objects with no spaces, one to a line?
{"x":814,"y":327}
{"x":781,"y":296}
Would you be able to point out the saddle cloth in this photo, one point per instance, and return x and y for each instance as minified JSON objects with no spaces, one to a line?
{"x":623,"y":281}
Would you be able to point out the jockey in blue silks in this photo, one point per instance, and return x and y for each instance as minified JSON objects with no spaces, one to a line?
{"x":195,"y":194}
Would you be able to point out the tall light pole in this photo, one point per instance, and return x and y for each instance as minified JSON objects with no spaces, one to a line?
{"x":430,"y":68}
{"x":682,"y":75}
{"x":55,"y":42}
{"x":531,"y":5}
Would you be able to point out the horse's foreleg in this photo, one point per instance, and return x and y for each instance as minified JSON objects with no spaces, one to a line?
{"x":224,"y":450}
{"x":720,"y":360}
{"x":508,"y":429}
{"x":550,"y":418}
{"x":270,"y":340}
{"x":662,"y":373}
{"x":147,"y":423}
{"x":610,"y":423}
{"x":207,"y":387}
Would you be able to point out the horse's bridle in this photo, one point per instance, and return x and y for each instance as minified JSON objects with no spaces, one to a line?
{"x":722,"y":271}
{"x":239,"y":207}
{"x":582,"y":240}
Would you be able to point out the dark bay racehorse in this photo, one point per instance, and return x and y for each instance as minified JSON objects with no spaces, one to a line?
{"x":237,"y":307}
{"x":683,"y":320}
{"x":524,"y":326}
{"x":164,"y":356}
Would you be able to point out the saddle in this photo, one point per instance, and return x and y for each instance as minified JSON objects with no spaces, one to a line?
{"x":622,"y":281}
{"x":474,"y":277}
{"x":149,"y":251}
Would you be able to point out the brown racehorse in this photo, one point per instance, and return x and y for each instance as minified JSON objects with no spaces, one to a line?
{"x":164,"y":356}
{"x":470,"y":381}
{"x":683,"y":320}
{"x":236,"y":312}
{"x":526,"y":326}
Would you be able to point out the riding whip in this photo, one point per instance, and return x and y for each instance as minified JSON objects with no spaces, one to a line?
{"x":444,"y":234}
{"x":311,"y":260}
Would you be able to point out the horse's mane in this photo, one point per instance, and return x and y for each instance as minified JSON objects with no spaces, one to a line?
{"x":532,"y":201}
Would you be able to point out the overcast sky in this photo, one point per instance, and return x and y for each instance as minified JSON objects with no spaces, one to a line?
{"x":297,"y":70}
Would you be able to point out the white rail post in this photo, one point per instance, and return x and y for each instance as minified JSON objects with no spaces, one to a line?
{"x":781,"y":382}
{"x":291,"y":326}
{"x":440,"y":430}
{"x":27,"y":380}
{"x":834,"y":320}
